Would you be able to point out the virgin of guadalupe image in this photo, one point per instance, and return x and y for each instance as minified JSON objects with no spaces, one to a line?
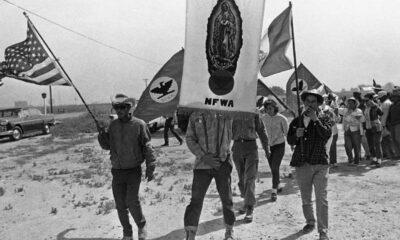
{"x":224,"y":34}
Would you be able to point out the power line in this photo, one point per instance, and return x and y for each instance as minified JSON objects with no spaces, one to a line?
{"x":82,"y":35}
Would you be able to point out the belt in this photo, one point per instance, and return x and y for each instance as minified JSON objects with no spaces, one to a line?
{"x":245,"y":140}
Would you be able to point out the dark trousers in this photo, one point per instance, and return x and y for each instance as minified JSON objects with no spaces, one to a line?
{"x":395,"y":132}
{"x":352,"y":141}
{"x":201,"y":181}
{"x":245,"y":157}
{"x":125,"y":186}
{"x":274,"y":161}
{"x":169,"y":126}
{"x":332,"y":151}
{"x":387,"y":146}
{"x":374,"y":138}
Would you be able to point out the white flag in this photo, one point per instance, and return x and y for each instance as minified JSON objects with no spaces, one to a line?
{"x":221,"y":55}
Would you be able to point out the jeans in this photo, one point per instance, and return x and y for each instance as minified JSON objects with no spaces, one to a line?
{"x":169,"y":126}
{"x":245,"y":157}
{"x":352,"y":141}
{"x":201,"y":181}
{"x":274,"y":161}
{"x":395,"y":132}
{"x":125,"y":187}
{"x":374,"y":139}
{"x":317,"y":176}
{"x":332,"y":151}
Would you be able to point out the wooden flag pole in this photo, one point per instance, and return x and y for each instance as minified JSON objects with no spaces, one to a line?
{"x":279,"y":100}
{"x":65,"y":73}
{"x":296,"y":78}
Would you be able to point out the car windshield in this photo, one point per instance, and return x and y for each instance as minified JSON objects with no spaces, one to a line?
{"x":9,"y":113}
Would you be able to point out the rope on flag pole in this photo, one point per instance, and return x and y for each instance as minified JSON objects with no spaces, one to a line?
{"x":62,"y":69}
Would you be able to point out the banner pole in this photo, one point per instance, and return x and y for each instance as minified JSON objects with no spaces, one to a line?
{"x":62,"y":69}
{"x":296,"y":77}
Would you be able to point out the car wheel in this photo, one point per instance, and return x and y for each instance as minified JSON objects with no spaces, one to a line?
{"x":46,"y":129}
{"x":16,"y":134}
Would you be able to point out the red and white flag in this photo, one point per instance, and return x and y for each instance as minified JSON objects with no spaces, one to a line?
{"x":31,"y":62}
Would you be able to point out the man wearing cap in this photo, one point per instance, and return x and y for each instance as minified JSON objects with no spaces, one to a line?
{"x":393,"y":120}
{"x":361,"y":105}
{"x":128,"y":140}
{"x":387,"y":142}
{"x":373,"y":127}
{"x":309,"y":133}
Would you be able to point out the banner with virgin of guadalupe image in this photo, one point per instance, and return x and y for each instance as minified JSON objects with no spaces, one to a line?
{"x":221,"y":55}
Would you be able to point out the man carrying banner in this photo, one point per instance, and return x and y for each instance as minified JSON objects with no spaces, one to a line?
{"x":310,"y":134}
{"x":128,"y":140}
{"x":245,"y":157}
{"x":208,"y":137}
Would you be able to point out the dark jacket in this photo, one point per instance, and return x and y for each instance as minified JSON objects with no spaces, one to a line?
{"x":129,"y":144}
{"x":394,"y":114}
{"x":316,"y":135}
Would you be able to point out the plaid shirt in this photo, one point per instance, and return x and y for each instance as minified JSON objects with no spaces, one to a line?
{"x":209,"y":132}
{"x":316,"y":135}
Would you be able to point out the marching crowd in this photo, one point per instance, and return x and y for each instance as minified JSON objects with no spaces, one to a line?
{"x":370,"y":121}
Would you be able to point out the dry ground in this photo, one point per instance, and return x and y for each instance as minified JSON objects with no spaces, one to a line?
{"x":53,"y":188}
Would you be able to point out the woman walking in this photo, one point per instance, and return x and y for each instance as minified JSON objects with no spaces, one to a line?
{"x":277,"y":128}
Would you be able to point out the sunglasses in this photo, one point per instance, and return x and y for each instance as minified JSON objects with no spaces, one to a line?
{"x":120,"y":107}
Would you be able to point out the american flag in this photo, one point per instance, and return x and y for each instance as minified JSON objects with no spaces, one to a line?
{"x":30,"y":61}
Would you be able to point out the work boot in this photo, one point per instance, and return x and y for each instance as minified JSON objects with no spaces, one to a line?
{"x":229,"y":233}
{"x":142,"y":233}
{"x":242,"y":210}
{"x":190,"y":235}
{"x":249,"y":215}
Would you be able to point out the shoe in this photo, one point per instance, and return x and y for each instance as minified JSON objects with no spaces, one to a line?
{"x":323,"y":236}
{"x":229,"y":233}
{"x":274,"y":197}
{"x":142,"y":233}
{"x":127,"y":238}
{"x":242,"y":210}
{"x":190,"y":235}
{"x":249,"y":215}
{"x":373,"y":163}
{"x":180,"y":142}
{"x":280,"y":189}
{"x":165,"y":145}
{"x":308,"y":228}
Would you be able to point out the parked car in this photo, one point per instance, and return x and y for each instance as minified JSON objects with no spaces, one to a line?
{"x":18,"y":122}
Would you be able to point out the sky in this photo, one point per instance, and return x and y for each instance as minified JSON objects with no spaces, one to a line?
{"x":344,"y":43}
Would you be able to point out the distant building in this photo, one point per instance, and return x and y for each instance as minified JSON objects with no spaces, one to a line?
{"x":21,"y":104}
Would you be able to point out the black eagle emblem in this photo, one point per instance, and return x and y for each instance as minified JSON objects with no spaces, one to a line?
{"x":300,"y":87}
{"x":163,"y":89}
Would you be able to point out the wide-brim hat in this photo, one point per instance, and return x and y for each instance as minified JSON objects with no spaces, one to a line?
{"x":353,"y":99}
{"x":121,"y":99}
{"x":313,"y":92}
{"x":382,"y":94}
